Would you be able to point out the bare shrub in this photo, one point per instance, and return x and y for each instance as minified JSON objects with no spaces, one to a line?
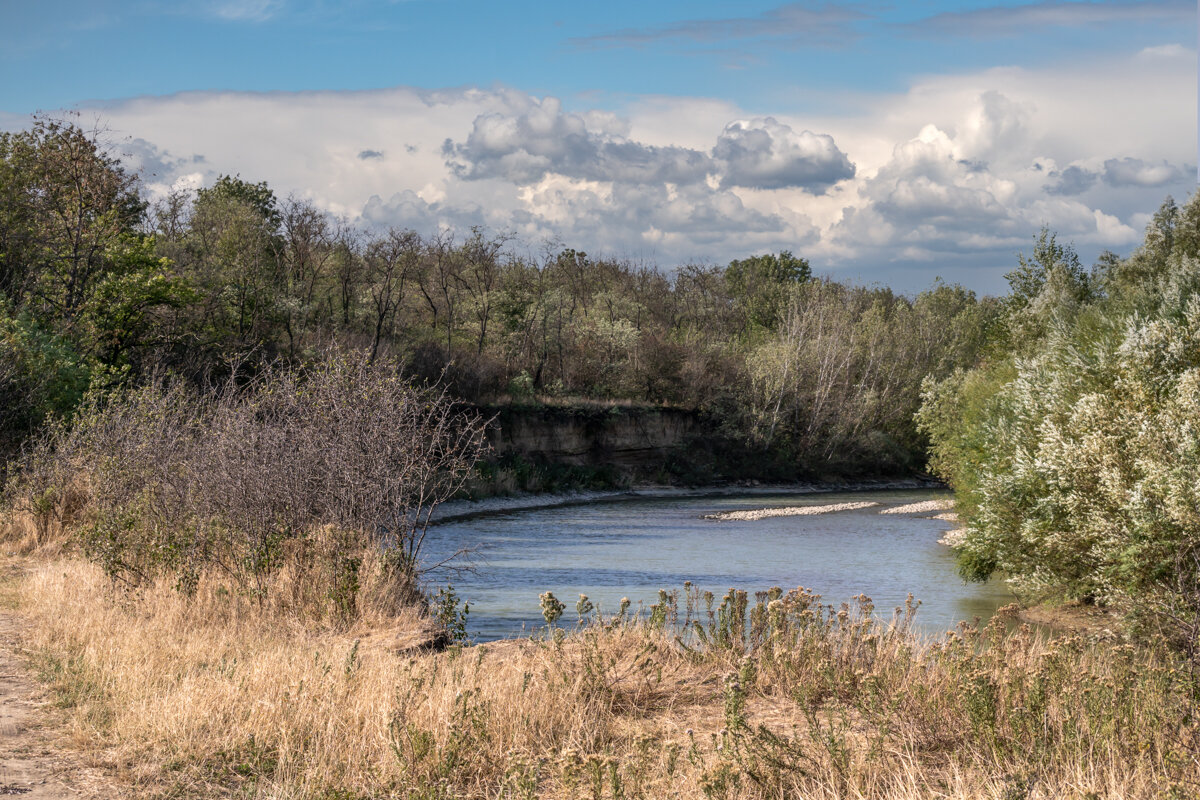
{"x":318,"y":469}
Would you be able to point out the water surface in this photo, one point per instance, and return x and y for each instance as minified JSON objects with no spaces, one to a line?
{"x":634,"y":547}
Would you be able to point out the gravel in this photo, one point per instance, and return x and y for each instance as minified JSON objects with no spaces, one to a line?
{"x":921,"y":508}
{"x":789,"y":511}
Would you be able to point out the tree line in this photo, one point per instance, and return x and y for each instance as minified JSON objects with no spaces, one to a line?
{"x":100,"y":288}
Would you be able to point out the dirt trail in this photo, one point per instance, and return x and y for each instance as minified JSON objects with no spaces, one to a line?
{"x":32,"y":766}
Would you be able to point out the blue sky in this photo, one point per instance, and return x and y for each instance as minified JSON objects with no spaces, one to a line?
{"x":890,"y":142}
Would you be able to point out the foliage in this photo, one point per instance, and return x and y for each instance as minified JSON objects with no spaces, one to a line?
{"x":41,"y":376}
{"x":233,"y":273}
{"x":840,"y":379}
{"x":762,"y":283}
{"x":1075,"y":454}
{"x":311,"y":471}
{"x":64,"y":199}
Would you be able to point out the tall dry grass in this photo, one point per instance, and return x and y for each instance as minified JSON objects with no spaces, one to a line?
{"x":779,"y":698}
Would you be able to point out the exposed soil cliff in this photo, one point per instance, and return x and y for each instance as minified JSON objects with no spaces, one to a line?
{"x":543,"y":448}
{"x":638,"y":439}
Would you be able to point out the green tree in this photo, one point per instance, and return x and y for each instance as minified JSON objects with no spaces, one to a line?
{"x":1076,"y":458}
{"x":761,"y":285}
{"x":64,"y":201}
{"x":41,"y":375}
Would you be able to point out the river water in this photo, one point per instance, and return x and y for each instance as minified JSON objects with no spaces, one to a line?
{"x":634,"y":547}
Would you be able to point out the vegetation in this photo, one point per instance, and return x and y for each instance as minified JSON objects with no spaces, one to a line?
{"x":1074,"y":447}
{"x":777,"y":696}
{"x":229,"y":417}
{"x":328,"y":475}
{"x":100,"y":290}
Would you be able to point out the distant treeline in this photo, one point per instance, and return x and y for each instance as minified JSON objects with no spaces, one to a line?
{"x":99,"y":289}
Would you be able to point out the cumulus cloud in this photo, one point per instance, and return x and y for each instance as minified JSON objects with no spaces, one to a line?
{"x":996,"y":127}
{"x":950,"y":177}
{"x":1071,"y":181}
{"x":407,"y":209}
{"x":151,"y":161}
{"x":1124,"y":172}
{"x":934,"y":196}
{"x":766,"y":154}
{"x":1136,"y":172}
{"x":695,"y":210}
{"x":541,"y":138}
{"x":927,"y":186}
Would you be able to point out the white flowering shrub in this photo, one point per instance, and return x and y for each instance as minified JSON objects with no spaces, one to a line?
{"x":1076,"y":450}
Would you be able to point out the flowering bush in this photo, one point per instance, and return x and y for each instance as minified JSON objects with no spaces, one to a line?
{"x":1076,"y":453}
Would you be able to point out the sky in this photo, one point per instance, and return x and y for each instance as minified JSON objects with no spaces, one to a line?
{"x":890,"y":143}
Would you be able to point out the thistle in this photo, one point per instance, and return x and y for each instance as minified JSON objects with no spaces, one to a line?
{"x":552,"y":608}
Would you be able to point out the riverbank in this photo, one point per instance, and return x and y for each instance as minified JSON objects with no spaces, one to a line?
{"x":208,"y":697}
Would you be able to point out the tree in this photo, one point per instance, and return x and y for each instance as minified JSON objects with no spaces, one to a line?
{"x":760,"y":284}
{"x":64,"y":201}
{"x":390,"y":262}
{"x":1076,"y":458}
{"x":233,"y":248}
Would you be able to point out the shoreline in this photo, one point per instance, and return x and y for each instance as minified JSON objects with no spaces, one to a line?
{"x":454,"y":510}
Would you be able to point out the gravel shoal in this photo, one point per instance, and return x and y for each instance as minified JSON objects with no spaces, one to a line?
{"x":953,"y":538}
{"x":921,"y":508}
{"x":789,"y":511}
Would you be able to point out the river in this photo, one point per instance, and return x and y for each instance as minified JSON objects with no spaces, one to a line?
{"x":634,"y":547}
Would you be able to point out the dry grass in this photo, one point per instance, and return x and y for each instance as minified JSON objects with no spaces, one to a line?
{"x":210,"y":697}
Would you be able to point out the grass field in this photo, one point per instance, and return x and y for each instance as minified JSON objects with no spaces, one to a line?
{"x":776,"y":696}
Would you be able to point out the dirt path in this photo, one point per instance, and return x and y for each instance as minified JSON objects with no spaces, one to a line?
{"x":31,"y":765}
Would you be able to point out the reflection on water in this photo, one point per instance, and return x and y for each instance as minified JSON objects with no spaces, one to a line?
{"x":635,"y":547}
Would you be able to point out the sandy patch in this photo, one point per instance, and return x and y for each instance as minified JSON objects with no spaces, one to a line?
{"x":461,"y":509}
{"x":921,"y":508}
{"x":33,"y":762}
{"x":789,"y":511}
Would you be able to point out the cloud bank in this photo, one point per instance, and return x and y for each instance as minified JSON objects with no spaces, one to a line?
{"x":950,"y":177}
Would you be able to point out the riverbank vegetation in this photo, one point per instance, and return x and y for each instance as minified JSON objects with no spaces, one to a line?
{"x":1074,"y":447}
{"x":226,"y":418}
{"x":324,"y":480}
{"x":736,"y":697}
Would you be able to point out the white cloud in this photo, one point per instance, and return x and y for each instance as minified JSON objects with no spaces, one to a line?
{"x":1136,"y":172}
{"x":951,"y":176}
{"x":766,"y":154}
{"x":538,"y":138}
{"x":1008,"y":20}
{"x":245,"y":10}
